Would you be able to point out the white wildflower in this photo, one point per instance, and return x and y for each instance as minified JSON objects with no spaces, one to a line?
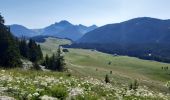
{"x":3,"y":71}
{"x":45,"y":97}
{"x":36,"y":94}
{"x":76,"y":91}
{"x":29,"y":96}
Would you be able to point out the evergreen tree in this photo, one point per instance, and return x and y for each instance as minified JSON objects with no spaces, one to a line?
{"x":32,"y":51}
{"x":56,"y":62}
{"x":24,"y":50}
{"x":9,"y":52}
{"x":35,"y":52}
{"x":60,"y":60}
{"x":40,"y":54}
{"x":46,"y":62}
{"x":2,"y":21}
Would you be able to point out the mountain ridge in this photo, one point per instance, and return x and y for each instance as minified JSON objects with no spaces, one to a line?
{"x":144,"y":37}
{"x":62,"y":29}
{"x":119,"y":32}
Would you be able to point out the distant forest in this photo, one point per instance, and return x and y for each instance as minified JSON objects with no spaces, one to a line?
{"x":157,"y":52}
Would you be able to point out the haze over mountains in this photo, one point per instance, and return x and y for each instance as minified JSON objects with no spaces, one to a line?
{"x":63,"y":29}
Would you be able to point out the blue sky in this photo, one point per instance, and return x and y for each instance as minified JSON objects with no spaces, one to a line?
{"x":41,"y":13}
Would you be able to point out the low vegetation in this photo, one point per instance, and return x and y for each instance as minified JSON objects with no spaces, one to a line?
{"x":34,"y":85}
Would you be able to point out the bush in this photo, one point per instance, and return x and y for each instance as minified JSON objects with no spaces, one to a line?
{"x":107,"y":80}
{"x":134,"y":85}
{"x":36,"y":66}
{"x":59,"y":92}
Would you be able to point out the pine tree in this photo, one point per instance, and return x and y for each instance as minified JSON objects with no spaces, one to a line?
{"x":46,"y":62}
{"x":24,"y":50}
{"x":35,"y":52}
{"x":40,"y":54}
{"x":2,"y":21}
{"x":9,"y":52}
{"x":56,"y":62}
{"x":60,"y":60}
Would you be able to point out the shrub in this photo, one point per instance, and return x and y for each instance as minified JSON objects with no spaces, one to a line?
{"x":107,"y":80}
{"x":134,"y":85}
{"x":59,"y":92}
{"x":36,"y":66}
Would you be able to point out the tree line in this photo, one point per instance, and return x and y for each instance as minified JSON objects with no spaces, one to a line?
{"x":56,"y":62}
{"x":149,"y":51}
{"x":13,"y":49}
{"x":30,"y":50}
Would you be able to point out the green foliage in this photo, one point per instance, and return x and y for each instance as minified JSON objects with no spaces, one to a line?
{"x":11,"y":49}
{"x":134,"y":85}
{"x":36,"y":66}
{"x":107,"y":80}
{"x":56,"y":62}
{"x":24,"y":50}
{"x":59,"y":92}
{"x":9,"y":52}
{"x":86,"y":97}
{"x":33,"y":85}
{"x":35,"y":52}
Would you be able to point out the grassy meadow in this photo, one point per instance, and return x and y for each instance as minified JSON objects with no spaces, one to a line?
{"x":124,"y":69}
{"x":85,"y":79}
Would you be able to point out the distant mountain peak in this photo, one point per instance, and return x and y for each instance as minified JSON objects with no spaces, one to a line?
{"x":95,"y":26}
{"x":64,"y":22}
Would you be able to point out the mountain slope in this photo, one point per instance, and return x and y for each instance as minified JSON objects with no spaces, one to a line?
{"x":65,"y":29}
{"x":139,"y":30}
{"x":146,"y":38}
{"x":19,"y":31}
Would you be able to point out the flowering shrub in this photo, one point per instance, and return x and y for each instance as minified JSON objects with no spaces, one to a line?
{"x":33,"y":85}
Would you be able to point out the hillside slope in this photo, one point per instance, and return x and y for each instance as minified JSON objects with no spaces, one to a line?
{"x":146,"y":38}
{"x":138,"y":30}
{"x":21,"y":31}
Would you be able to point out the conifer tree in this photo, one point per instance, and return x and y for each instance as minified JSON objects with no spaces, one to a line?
{"x":46,"y":62}
{"x":60,"y":60}
{"x":35,"y":52}
{"x":9,"y":52}
{"x":2,"y":21}
{"x":40,"y":54}
{"x":56,"y":62}
{"x":24,"y":50}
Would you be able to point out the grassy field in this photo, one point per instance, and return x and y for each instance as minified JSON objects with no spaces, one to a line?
{"x":124,"y":69}
{"x":85,"y":78}
{"x":51,"y":45}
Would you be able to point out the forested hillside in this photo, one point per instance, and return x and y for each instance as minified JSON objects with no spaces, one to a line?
{"x":12,"y":49}
{"x":145,"y":37}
